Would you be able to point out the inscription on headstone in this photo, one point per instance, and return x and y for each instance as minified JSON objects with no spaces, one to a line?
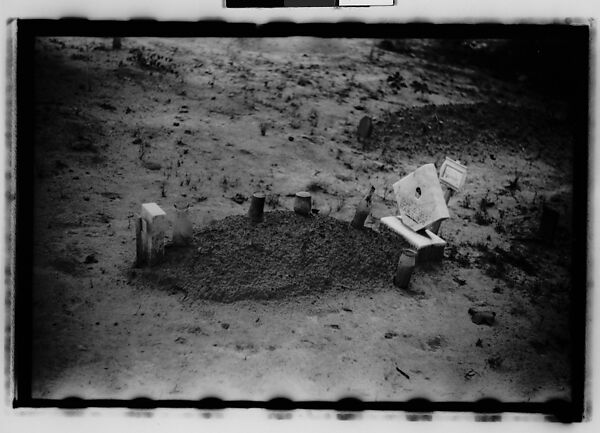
{"x":420,"y":198}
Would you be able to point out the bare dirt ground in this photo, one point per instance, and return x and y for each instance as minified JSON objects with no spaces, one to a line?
{"x":295,"y":307}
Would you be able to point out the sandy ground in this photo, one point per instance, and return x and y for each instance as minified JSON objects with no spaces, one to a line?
{"x":163,"y":120}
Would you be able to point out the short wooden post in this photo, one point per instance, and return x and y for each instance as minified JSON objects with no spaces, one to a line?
{"x":150,"y":235}
{"x":302,"y":203}
{"x":405,"y":267}
{"x":257,"y":205}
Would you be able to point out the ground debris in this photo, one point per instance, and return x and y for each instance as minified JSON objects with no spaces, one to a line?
{"x":402,"y":373}
{"x":482,"y":317}
{"x":90,"y":259}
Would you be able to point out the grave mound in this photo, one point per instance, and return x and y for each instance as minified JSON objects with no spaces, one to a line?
{"x":285,"y":255}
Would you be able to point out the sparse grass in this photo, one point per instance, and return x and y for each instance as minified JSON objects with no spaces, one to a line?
{"x":482,"y":218}
{"x":486,"y":203}
{"x":264,"y":126}
{"x":495,"y":362}
{"x":272,"y":200}
{"x":340,"y":204}
{"x":313,"y":118}
{"x":466,"y":202}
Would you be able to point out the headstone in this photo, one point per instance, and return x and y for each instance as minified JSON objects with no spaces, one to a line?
{"x":453,"y":174}
{"x":365,"y":128}
{"x":420,"y":198}
{"x":150,"y":234}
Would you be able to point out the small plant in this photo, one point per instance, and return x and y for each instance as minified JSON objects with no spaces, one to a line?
{"x":263,"y":128}
{"x":396,"y":81}
{"x":482,"y":218}
{"x":313,"y":118}
{"x":485,"y":203}
{"x":340,"y":204}
{"x":272,"y":200}
{"x":480,"y":246}
{"x":499,"y":227}
{"x":513,"y":186}
{"x":466,"y":202}
{"x":495,"y":362}
{"x":420,"y":87}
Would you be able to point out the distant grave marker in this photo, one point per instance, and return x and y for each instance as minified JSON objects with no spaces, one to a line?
{"x":365,"y":128}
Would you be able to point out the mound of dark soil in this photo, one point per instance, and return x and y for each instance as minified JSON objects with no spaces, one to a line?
{"x":470,"y":130}
{"x":285,"y":255}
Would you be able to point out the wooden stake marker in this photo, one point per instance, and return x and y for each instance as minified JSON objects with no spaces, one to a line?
{"x":363,"y":210}
{"x":257,"y":204}
{"x":405,"y":267}
{"x":302,"y":203}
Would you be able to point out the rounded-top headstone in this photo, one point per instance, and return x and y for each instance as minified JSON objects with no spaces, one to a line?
{"x":365,"y":128}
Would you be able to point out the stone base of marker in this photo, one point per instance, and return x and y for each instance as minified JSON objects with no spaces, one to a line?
{"x":429,"y":247}
{"x":257,"y":205}
{"x":150,"y":227}
{"x":303,"y":203}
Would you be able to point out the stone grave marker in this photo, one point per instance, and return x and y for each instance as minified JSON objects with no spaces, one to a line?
{"x":151,"y":227}
{"x":420,"y":198}
{"x":365,"y":128}
{"x":453,"y":174}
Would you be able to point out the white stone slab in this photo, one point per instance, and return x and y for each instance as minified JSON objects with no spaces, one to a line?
{"x":429,"y":248}
{"x":151,"y":211}
{"x":420,"y":198}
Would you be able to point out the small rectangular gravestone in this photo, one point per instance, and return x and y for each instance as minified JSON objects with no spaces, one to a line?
{"x":453,"y":174}
{"x":151,"y":227}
